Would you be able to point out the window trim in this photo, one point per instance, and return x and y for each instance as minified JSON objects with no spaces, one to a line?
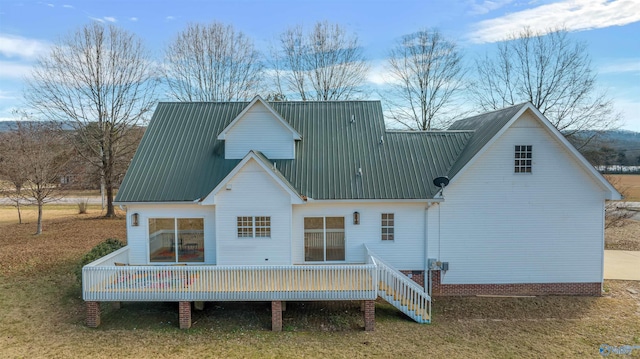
{"x":523,"y":159}
{"x":384,"y":225}
{"x":176,"y":239}
{"x":254,"y":226}
{"x":324,"y":240}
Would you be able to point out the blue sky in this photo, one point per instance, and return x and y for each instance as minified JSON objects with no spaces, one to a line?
{"x":611,"y":29}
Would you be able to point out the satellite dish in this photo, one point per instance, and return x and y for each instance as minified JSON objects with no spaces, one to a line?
{"x":441,"y":182}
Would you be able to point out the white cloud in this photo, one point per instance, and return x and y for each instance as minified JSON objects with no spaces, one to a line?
{"x":574,"y":15}
{"x":50,"y":5}
{"x":170,"y":18}
{"x":630,"y":108}
{"x":380,"y":75}
{"x":133,"y":18}
{"x":16,"y":46}
{"x":68,"y":6}
{"x":487,"y":6}
{"x":103,"y":19}
{"x":14,"y":70}
{"x":621,"y":66}
{"x":7,"y":95}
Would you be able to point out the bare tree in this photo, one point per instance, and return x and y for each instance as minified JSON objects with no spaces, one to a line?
{"x":553,"y":73}
{"x":426,"y":75}
{"x":41,"y":153}
{"x":101,"y":79}
{"x":12,"y":170}
{"x":212,"y":63}
{"x":325,"y":64}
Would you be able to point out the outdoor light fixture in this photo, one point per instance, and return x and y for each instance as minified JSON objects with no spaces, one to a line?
{"x":135,"y":220}
{"x":356,"y":217}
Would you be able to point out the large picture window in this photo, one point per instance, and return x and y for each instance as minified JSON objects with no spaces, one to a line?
{"x":176,"y":240}
{"x":324,"y":239}
{"x":249,"y":227}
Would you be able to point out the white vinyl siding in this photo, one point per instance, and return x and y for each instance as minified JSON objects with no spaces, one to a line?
{"x":498,"y":226}
{"x":406,"y":252}
{"x":256,"y":195}
{"x":259,"y":130}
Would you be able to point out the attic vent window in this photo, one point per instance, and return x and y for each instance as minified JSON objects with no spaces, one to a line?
{"x":523,"y":156}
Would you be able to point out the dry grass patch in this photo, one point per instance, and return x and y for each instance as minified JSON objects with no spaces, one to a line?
{"x":42,"y":314}
{"x":628,"y":185}
{"x":65,"y":238}
{"x":623,"y":237}
{"x":9,"y":214}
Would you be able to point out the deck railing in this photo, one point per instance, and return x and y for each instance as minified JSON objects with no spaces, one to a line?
{"x":400,"y":291}
{"x":104,"y":281}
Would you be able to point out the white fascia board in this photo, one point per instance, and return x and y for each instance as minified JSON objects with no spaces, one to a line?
{"x":413,"y":200}
{"x":154,"y":203}
{"x":295,"y":134}
{"x":488,"y":144}
{"x":612,"y":193}
{"x":210,"y":198}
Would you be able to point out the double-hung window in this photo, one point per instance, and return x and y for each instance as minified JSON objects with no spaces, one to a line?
{"x":387,"y":226}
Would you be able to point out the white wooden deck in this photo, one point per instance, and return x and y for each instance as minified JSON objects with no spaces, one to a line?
{"x":103,"y":280}
{"x":111,"y":279}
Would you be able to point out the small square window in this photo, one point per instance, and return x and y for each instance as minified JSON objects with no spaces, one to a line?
{"x":523,"y":165}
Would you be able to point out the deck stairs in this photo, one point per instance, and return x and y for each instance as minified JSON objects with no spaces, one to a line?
{"x":402,"y":292}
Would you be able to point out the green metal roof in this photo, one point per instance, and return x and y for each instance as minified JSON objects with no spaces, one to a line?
{"x":485,"y":126}
{"x":180,"y":158}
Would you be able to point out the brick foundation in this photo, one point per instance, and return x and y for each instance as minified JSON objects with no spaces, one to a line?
{"x":93,"y":314}
{"x":276,"y":316}
{"x":438,"y":289}
{"x":184,"y":314}
{"x":416,"y":275}
{"x":369,"y":315}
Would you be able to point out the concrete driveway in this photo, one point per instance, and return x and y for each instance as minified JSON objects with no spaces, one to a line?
{"x":623,"y":265}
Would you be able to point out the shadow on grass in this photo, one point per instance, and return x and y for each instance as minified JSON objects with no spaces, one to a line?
{"x":233,"y":317}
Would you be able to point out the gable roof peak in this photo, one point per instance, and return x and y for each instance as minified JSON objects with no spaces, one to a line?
{"x":276,"y":115}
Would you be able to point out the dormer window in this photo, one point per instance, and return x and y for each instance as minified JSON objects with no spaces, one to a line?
{"x":523,"y":155}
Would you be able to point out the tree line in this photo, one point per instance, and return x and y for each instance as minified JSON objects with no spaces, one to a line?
{"x":103,"y":81}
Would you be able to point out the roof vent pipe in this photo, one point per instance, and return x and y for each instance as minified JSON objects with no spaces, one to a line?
{"x":353,"y":118}
{"x":359,"y":173}
{"x":381,"y":140}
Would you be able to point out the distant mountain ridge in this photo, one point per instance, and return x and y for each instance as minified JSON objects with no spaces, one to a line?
{"x":6,"y":126}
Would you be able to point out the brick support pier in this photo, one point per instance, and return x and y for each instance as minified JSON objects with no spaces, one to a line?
{"x":276,"y":316}
{"x":369,"y":315}
{"x":184,"y":312}
{"x":93,"y":314}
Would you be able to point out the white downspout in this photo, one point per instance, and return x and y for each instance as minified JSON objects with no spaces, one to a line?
{"x":427,"y":283}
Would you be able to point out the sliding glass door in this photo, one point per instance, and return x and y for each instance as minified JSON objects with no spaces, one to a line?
{"x":324,"y":239}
